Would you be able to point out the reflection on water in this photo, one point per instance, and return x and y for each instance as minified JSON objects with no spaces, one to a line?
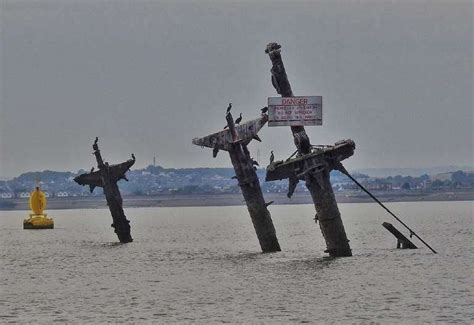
{"x":203,"y":264}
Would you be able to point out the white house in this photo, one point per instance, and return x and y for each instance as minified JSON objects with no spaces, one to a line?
{"x":6,"y":195}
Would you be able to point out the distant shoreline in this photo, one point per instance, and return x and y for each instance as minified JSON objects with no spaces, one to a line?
{"x":196,"y":200}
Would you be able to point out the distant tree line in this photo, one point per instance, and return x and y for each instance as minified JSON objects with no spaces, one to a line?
{"x":154,"y":180}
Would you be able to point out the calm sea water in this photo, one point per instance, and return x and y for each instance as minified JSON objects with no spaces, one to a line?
{"x":204,"y":265}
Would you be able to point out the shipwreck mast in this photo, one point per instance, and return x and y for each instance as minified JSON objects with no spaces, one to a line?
{"x":107,"y":177}
{"x":317,"y":180}
{"x":235,"y":140}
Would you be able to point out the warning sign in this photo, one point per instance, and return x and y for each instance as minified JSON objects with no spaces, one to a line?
{"x":295,"y":111}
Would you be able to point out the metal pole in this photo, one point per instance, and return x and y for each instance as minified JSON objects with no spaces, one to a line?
{"x":250,"y":187}
{"x":319,"y":186}
{"x":234,"y":139}
{"x":107,"y":177}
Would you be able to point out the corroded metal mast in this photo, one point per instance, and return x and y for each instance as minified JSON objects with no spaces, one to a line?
{"x":235,"y":140}
{"x":315,"y":174}
{"x":107,"y":177}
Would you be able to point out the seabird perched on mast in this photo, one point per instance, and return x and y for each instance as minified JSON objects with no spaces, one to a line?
{"x":228,"y":108}
{"x":239,"y":119}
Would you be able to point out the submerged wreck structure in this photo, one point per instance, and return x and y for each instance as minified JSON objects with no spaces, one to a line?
{"x":107,"y":177}
{"x":234,"y":139}
{"x":312,"y":164}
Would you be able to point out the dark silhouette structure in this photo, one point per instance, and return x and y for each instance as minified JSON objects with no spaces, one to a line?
{"x":107,"y":177}
{"x":402,"y":241}
{"x":234,"y":139}
{"x":313,"y":165}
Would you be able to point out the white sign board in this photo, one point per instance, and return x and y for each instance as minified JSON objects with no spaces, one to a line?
{"x":294,"y":111}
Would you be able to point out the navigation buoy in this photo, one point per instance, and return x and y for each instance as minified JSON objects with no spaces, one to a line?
{"x":38,"y":219}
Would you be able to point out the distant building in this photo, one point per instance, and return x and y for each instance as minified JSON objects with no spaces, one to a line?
{"x":24,"y":195}
{"x":6,"y":195}
{"x":427,"y":183}
{"x":379,"y":186}
{"x":62,"y":194}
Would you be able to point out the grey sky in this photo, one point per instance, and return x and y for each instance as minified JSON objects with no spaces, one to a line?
{"x":148,"y":76}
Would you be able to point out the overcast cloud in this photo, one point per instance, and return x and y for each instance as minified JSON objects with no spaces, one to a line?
{"x":148,"y":76}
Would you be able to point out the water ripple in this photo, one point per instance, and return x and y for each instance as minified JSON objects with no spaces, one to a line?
{"x":204,"y":265}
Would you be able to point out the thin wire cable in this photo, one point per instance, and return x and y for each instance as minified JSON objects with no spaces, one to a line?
{"x":345,"y":172}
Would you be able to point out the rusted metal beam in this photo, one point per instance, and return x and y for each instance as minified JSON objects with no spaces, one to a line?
{"x":317,"y":181}
{"x":107,"y":177}
{"x":319,"y":159}
{"x":402,"y":241}
{"x":235,"y":140}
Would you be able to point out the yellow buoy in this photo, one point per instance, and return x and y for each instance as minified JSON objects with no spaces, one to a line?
{"x":38,"y":219}
{"x":37,"y":201}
